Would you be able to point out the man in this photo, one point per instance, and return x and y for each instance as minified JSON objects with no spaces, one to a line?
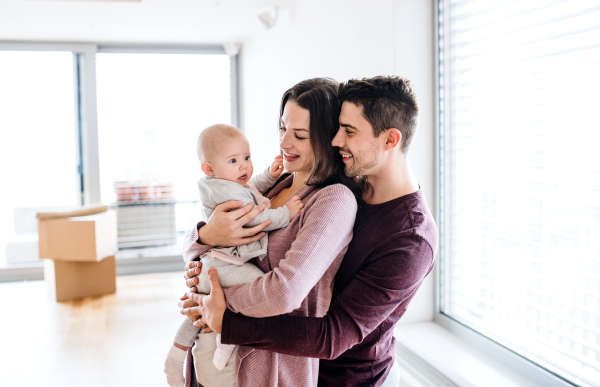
{"x":392,"y":250}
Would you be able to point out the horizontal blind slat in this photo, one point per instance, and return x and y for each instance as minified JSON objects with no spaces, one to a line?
{"x":521,"y":175}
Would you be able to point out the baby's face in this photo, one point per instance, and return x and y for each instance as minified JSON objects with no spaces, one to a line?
{"x":233,"y":162}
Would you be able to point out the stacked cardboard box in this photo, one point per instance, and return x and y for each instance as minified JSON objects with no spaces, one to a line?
{"x":79,"y":253}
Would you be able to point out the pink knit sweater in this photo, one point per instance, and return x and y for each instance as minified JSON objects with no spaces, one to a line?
{"x":301,"y":263}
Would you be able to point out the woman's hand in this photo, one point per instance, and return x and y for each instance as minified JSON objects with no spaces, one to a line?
{"x":191,"y":273}
{"x":224,"y":228}
{"x":188,"y":307}
{"x":210,"y":307}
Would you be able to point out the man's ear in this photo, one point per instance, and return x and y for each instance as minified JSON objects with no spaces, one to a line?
{"x":393,"y":138}
{"x":207,"y":169}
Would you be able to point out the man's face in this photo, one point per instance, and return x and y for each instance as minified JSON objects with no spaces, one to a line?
{"x":361,"y":151}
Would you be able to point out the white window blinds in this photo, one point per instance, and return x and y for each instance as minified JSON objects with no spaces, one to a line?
{"x":520,"y":177}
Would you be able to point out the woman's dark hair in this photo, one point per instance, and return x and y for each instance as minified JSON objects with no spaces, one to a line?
{"x":320,"y":97}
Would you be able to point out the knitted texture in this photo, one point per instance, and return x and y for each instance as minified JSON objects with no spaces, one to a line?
{"x":301,"y":263}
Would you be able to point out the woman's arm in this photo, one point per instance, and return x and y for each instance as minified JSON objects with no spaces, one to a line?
{"x":225,"y":229}
{"x":389,"y":281}
{"x":325,"y":233}
{"x":192,"y":248}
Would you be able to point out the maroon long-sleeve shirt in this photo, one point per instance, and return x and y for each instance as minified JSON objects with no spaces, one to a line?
{"x":392,"y":251}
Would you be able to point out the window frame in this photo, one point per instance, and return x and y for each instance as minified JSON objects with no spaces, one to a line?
{"x":443,"y":114}
{"x":86,"y":134}
{"x":85,"y":109}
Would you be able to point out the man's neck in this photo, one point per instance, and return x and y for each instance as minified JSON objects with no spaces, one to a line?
{"x":393,"y":180}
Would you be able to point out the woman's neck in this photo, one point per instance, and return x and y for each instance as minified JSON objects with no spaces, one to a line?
{"x":283,"y":196}
{"x":299,"y":181}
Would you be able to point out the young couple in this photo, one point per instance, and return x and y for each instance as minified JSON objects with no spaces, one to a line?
{"x":343,"y":271}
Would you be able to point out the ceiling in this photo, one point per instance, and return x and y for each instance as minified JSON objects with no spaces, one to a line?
{"x":134,"y":21}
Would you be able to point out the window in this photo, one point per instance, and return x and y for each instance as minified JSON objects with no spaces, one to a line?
{"x":151,"y":108}
{"x":39,"y":150}
{"x":62,"y":144}
{"x":519,"y":179}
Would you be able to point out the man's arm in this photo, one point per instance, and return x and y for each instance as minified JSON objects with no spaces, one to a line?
{"x":389,"y":280}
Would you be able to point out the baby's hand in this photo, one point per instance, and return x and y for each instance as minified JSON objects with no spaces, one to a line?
{"x":277,"y":166}
{"x":295,"y":206}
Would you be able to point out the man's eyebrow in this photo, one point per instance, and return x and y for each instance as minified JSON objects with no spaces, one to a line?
{"x":347,"y":126}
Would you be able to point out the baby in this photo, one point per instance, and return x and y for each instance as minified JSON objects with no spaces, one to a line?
{"x":224,"y":153}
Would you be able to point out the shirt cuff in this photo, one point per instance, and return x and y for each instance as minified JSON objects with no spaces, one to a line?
{"x":198,"y":226}
{"x":228,"y":316}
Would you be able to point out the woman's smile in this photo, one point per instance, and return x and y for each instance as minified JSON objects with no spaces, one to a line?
{"x":290,"y":157}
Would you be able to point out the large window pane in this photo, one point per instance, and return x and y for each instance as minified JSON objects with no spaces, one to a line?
{"x":151,"y":108}
{"x":38,"y":146}
{"x":521,"y":178}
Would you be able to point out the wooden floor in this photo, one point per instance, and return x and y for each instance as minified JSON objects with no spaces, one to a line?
{"x":116,"y":340}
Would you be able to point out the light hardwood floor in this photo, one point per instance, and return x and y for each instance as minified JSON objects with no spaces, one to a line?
{"x":115,"y":340}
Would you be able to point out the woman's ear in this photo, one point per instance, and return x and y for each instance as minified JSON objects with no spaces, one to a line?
{"x":207,"y":169}
{"x":393,"y":138}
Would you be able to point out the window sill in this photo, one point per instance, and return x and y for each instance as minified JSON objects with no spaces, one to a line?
{"x":126,"y":265}
{"x":439,"y":358}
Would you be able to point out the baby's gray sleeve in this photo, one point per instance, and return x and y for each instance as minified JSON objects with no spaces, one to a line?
{"x":222,"y":191}
{"x":263,"y":181}
{"x":280,"y":217}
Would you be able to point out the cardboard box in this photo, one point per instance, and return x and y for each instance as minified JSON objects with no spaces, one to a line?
{"x":81,"y":239}
{"x":74,"y":280}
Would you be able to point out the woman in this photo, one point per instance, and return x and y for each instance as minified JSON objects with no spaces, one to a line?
{"x":303,"y":258}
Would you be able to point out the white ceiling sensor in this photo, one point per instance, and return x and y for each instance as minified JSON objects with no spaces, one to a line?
{"x":136,"y":21}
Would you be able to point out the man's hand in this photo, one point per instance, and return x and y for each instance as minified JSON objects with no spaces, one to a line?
{"x":210,"y":307}
{"x":225,"y":227}
{"x":189,"y":308}
{"x":276,"y":168}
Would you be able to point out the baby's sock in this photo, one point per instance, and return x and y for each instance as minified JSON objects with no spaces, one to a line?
{"x":174,"y":367}
{"x":222,"y":354}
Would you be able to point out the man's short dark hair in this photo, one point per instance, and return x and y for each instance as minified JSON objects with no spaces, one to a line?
{"x":388,"y":101}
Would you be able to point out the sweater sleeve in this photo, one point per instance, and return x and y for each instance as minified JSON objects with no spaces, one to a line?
{"x":192,"y":248}
{"x":326,"y":231}
{"x":390,"y":278}
{"x":280,"y":218}
{"x":263,"y":181}
{"x":217,"y":191}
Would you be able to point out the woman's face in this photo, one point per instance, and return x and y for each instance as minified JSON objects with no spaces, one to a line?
{"x":294,"y":138}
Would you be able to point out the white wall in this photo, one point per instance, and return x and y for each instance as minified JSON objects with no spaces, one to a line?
{"x":313,"y":38}
{"x":342,"y":40}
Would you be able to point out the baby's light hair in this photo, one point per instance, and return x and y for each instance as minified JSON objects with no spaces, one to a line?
{"x":210,"y":139}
